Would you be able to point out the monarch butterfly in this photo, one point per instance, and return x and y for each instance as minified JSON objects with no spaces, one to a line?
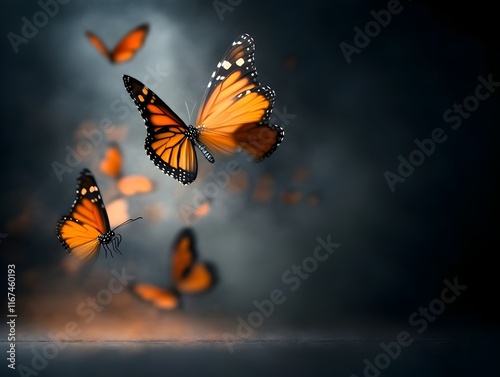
{"x":126,"y":48}
{"x":188,"y":275}
{"x":234,"y":113}
{"x":87,"y":228}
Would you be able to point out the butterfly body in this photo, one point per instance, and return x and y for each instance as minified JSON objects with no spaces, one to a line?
{"x":193,"y":134}
{"x":234,"y":115}
{"x":106,"y":238}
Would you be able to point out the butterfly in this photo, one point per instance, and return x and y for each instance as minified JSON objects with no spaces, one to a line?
{"x":126,"y":48}
{"x":86,"y":228}
{"x":234,"y":114}
{"x":112,"y":163}
{"x":188,"y":276}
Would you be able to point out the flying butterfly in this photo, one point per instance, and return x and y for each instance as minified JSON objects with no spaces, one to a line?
{"x":234,"y":114}
{"x":86,"y":228}
{"x":187,"y":274}
{"x":126,"y":48}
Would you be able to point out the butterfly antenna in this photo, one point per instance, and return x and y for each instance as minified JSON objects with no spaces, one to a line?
{"x":118,"y":239}
{"x":190,"y":113}
{"x":127,"y":222}
{"x":187,"y":109}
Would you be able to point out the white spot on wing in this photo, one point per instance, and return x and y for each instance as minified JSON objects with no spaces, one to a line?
{"x":226,"y":65}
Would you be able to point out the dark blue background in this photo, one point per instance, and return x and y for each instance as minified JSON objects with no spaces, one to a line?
{"x":351,"y":123}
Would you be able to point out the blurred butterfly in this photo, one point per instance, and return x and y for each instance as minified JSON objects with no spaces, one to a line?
{"x":126,"y":48}
{"x":234,"y":114}
{"x":301,"y":174}
{"x":112,"y":162}
{"x":87,"y":228}
{"x":290,"y":197}
{"x":112,"y":165}
{"x":135,"y":184}
{"x":188,"y":275}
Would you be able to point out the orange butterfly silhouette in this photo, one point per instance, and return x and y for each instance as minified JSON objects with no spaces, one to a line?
{"x":188,"y":275}
{"x":126,"y":48}
{"x":234,"y":114}
{"x":86,"y":228}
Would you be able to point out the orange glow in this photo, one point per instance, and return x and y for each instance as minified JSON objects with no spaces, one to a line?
{"x":263,"y":190}
{"x":238,"y":183}
{"x":290,"y":197}
{"x":301,"y":175}
{"x":117,"y":212}
{"x":314,"y":199}
{"x":135,"y":184}
{"x":203,"y":209}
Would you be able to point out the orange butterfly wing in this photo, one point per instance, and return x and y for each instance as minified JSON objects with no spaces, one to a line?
{"x":112,"y":162}
{"x":135,"y":184}
{"x":98,"y":44}
{"x":169,"y":143}
{"x":235,"y":109}
{"x":79,"y":232}
{"x":189,"y":276}
{"x":130,"y":44}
